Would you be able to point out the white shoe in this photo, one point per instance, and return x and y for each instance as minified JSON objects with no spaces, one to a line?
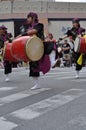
{"x":77,"y":76}
{"x":7,"y":79}
{"x":61,"y":65}
{"x":35,"y":87}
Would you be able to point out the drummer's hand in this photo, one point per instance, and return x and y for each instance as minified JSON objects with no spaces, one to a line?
{"x":79,"y":35}
{"x":6,"y":42}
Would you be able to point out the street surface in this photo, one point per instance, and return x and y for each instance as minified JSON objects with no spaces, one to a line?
{"x":60,"y":104}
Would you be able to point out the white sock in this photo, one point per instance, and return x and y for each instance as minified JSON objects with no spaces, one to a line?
{"x":77,"y":72}
{"x":36,"y":86}
{"x":52,"y":57}
{"x":61,"y":60}
{"x":36,"y":81}
{"x":7,"y":75}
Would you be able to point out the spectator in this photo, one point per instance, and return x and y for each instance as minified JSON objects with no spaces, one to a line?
{"x":66,"y":52}
{"x":50,"y":38}
{"x":6,"y":37}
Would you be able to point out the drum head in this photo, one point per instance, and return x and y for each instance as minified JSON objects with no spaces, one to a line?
{"x":77,"y":44}
{"x":34,"y":48}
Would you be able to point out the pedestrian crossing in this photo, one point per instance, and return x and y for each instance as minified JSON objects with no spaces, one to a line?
{"x":48,"y":104}
{"x":20,"y":95}
{"x":39,"y":108}
{"x":6,"y":125}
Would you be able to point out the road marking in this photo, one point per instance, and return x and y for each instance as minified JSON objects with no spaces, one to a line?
{"x":46,"y":105}
{"x":60,"y":77}
{"x":6,"y":125}
{"x":6,"y":88}
{"x":80,"y":80}
{"x":20,"y":95}
{"x":59,"y":74}
{"x":65,"y":77}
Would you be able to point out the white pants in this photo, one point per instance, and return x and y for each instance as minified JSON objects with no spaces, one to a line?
{"x":52,"y":57}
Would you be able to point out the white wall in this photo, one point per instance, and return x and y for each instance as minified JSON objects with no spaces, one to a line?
{"x":5,"y":7}
{"x":41,"y":6}
{"x":58,"y":28}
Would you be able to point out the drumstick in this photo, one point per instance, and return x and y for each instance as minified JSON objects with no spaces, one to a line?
{"x":62,"y":38}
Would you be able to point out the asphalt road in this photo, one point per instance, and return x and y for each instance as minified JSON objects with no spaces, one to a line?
{"x":60,"y":104}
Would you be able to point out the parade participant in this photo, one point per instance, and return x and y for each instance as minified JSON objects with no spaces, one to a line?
{"x":51,"y":49}
{"x":75,"y":31}
{"x":1,"y":49}
{"x":34,"y":28}
{"x":50,"y":38}
{"x":6,"y":37}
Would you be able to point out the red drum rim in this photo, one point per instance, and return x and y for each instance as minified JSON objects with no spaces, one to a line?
{"x":12,"y":59}
{"x":37,"y":44}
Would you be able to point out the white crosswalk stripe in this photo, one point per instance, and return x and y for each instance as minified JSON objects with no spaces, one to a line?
{"x":20,"y":95}
{"x":66,"y":73}
{"x":48,"y":104}
{"x":35,"y":110}
{"x":43,"y":106}
{"x":6,"y":125}
{"x":6,"y":88}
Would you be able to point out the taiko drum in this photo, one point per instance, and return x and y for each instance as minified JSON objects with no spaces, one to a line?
{"x":27,"y":48}
{"x":7,"y":53}
{"x":80,"y":45}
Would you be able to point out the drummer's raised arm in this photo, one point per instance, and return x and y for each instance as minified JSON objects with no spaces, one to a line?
{"x":62,"y":38}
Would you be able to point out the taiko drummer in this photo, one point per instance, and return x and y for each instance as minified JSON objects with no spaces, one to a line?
{"x":76,"y":31}
{"x":34,"y":27}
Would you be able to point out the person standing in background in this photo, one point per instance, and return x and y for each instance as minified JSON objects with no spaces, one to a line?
{"x":6,"y":37}
{"x":66,"y":52}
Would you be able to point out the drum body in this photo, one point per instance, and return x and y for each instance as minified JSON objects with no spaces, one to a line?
{"x":80,"y":45}
{"x":7,"y":53}
{"x":27,"y":48}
